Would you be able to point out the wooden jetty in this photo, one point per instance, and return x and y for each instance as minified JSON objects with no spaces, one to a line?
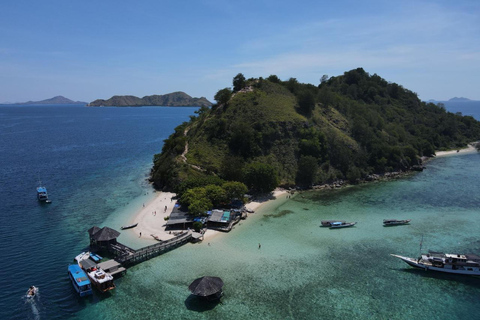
{"x":105,"y":239}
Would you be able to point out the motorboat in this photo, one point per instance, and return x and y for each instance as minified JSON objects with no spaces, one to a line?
{"x":340,"y":224}
{"x":466,"y":264}
{"x":42,"y":194}
{"x":80,"y":280}
{"x":100,"y":279}
{"x":31,"y":292}
{"x":328,"y":223}
{"x":394,"y":222}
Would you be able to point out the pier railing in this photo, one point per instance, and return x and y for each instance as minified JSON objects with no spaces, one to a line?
{"x":131,"y":257}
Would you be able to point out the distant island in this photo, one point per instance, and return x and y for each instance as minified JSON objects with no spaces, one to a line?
{"x":461,"y":99}
{"x":54,"y":100}
{"x":174,"y":99}
{"x":455,"y":99}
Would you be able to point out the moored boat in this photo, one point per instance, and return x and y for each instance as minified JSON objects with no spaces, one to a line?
{"x":79,"y":279}
{"x":101,"y":280}
{"x":394,"y":222}
{"x":339,"y":224}
{"x":328,"y":223}
{"x":466,"y":264}
{"x":129,"y":226}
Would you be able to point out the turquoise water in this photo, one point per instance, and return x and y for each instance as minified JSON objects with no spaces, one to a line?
{"x":94,"y":166}
{"x":303,"y":271}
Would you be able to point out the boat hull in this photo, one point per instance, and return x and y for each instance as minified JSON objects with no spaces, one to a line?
{"x":417,"y":263}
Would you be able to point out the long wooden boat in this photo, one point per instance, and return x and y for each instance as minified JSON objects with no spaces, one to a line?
{"x":394,"y":222}
{"x":337,"y":225}
{"x":328,"y":223}
{"x":129,"y":226}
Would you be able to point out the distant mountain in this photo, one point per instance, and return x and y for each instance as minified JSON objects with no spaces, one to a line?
{"x":461,"y":99}
{"x":54,"y":100}
{"x":174,"y":99}
{"x":456,"y":99}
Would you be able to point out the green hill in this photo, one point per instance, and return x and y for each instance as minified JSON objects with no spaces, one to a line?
{"x":174,"y":99}
{"x":347,"y":127}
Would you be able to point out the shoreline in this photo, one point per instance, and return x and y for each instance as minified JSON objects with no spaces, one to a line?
{"x":469,"y":149}
{"x":151,"y":216}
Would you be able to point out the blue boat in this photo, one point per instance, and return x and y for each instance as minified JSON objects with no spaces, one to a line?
{"x":42,"y":194}
{"x":80,"y":281}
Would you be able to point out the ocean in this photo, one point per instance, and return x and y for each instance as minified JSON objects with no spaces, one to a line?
{"x":95,"y":161}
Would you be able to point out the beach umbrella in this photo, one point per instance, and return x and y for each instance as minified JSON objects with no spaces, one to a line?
{"x":206,"y":286}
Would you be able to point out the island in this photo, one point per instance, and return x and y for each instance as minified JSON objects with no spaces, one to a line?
{"x":267,"y":133}
{"x":54,"y":100}
{"x":174,"y":99}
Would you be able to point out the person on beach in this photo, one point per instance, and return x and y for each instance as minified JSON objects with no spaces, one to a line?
{"x":259,"y":246}
{"x":140,"y":234}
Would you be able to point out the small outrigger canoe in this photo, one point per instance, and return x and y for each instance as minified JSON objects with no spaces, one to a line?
{"x":394,"y":222}
{"x":129,"y":227}
{"x":336,"y":225}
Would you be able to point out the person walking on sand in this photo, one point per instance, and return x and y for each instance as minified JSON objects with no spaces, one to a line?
{"x":140,"y":234}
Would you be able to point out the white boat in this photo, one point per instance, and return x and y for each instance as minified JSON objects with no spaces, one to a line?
{"x":394,"y":222}
{"x":328,"y":223}
{"x":340,"y":224}
{"x":101,"y":280}
{"x":31,"y":292}
{"x":466,"y":264}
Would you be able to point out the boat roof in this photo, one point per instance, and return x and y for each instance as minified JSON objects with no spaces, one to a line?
{"x":87,"y":264}
{"x":41,"y":189}
{"x":78,"y":274}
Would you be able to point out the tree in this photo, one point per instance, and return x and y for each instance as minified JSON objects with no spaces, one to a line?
{"x":238,"y":82}
{"x":216,"y":195}
{"x":324,"y":78}
{"x":307,"y":169}
{"x":199,"y":206}
{"x":235,"y":190}
{"x":273,"y":78}
{"x":260,"y":177}
{"x":223,"y":96}
{"x":306,"y":102}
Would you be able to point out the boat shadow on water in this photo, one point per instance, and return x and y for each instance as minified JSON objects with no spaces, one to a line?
{"x":199,"y":304}
{"x":471,"y":281}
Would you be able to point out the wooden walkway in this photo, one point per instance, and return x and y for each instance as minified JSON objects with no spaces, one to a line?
{"x":128,"y":257}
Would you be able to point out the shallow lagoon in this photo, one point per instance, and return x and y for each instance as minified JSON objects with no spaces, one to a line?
{"x":303,"y":271}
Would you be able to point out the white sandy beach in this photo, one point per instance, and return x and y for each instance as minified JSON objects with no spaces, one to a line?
{"x":471,"y":148}
{"x":151,"y":216}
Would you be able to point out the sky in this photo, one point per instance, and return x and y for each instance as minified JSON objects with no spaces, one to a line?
{"x":87,"y":50}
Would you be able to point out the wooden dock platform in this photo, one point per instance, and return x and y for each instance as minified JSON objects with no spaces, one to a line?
{"x":124,"y":256}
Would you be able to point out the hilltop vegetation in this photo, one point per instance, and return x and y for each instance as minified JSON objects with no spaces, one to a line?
{"x":174,"y":99}
{"x":268,"y":132}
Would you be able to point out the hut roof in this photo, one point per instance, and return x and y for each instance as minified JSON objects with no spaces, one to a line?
{"x":206,"y":286}
{"x":93,"y":230}
{"x":105,"y":234}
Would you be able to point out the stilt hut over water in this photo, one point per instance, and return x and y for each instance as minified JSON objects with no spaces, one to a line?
{"x":102,"y":238}
{"x":209,"y":288}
